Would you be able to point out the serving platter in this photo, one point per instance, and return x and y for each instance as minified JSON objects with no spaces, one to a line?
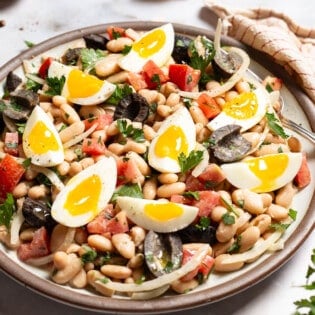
{"x":218,"y":287}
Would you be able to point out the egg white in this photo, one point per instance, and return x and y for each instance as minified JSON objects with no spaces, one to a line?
{"x":58,"y":70}
{"x":134,"y":62}
{"x":240,"y":175}
{"x":49,"y":157}
{"x":106,"y":170}
{"x":263,"y":100}
{"x":134,"y":208}
{"x":182,"y":119}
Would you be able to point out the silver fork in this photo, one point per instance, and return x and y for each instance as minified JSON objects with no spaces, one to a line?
{"x":294,"y":126}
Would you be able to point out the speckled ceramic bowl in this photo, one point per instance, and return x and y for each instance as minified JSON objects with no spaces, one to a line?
{"x":218,"y":287}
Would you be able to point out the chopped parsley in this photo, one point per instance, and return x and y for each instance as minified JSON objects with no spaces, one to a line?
{"x":7,"y":210}
{"x":55,"y":85}
{"x":89,"y":255}
{"x":126,"y":49}
{"x":89,"y":57}
{"x":229,"y":206}
{"x":191,"y":195}
{"x":169,"y":267}
{"x":228,"y":219}
{"x":120,"y":92}
{"x":140,"y":280}
{"x":203,"y":224}
{"x":292,"y":214}
{"x":128,"y":131}
{"x":32,"y":85}
{"x":27,"y":162}
{"x":275,"y":126}
{"x":281,"y":227}
{"x":235,"y":247}
{"x":186,"y":163}
{"x":29,"y":44}
{"x":130,"y":190}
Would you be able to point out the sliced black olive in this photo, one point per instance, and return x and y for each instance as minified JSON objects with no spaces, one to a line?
{"x":228,"y":145}
{"x":95,"y":41}
{"x":71,"y":56}
{"x":163,"y":252}
{"x":226,"y":64}
{"x":134,"y":107}
{"x":12,"y":82}
{"x":195,"y":234}
{"x":37,"y":213}
{"x":24,"y":98}
{"x":180,"y":51}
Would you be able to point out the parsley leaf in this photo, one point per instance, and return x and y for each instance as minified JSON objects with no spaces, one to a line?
{"x":228,"y":219}
{"x":130,"y":190}
{"x":292,"y":214}
{"x":126,"y":49}
{"x":235,"y":247}
{"x":55,"y":85}
{"x":32,"y":85}
{"x":29,"y":44}
{"x":89,"y":254}
{"x":7,"y":210}
{"x":281,"y":227}
{"x":275,"y":126}
{"x":191,"y":195}
{"x":203,"y":224}
{"x":229,"y":206}
{"x":186,"y":163}
{"x":89,"y":56}
{"x":128,"y":131}
{"x":120,"y":92}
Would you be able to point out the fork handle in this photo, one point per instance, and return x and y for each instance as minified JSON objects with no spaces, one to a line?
{"x":299,"y":129}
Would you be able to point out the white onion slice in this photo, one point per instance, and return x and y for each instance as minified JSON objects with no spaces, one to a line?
{"x":160,"y":281}
{"x":80,"y":137}
{"x":52,"y":176}
{"x":16,"y":224}
{"x":150,"y":294}
{"x":35,"y":78}
{"x":40,"y":261}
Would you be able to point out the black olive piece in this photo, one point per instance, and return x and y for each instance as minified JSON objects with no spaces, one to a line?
{"x":226,"y":64}
{"x":163,"y":252}
{"x":228,"y":145}
{"x":37,"y":213}
{"x":24,"y":98}
{"x":71,"y":56}
{"x":12,"y":82}
{"x":180,"y":51}
{"x":134,"y":107}
{"x":194,"y":234}
{"x":95,"y":41}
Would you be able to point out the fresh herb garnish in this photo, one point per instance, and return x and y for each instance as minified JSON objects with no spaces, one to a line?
{"x":55,"y":85}
{"x":28,"y":43}
{"x":275,"y":126}
{"x":292,"y":214}
{"x":203,"y":224}
{"x":228,"y":219}
{"x":235,"y":247}
{"x":186,"y":163}
{"x":169,"y":267}
{"x":120,"y":92}
{"x":89,"y":255}
{"x":104,"y":280}
{"x":130,"y":190}
{"x":32,"y":85}
{"x":126,"y":49}
{"x":7,"y":210}
{"x":192,"y":195}
{"x":89,"y":57}
{"x":20,"y":127}
{"x":229,"y":206}
{"x":27,"y":162}
{"x":140,"y":280}
{"x":128,"y":131}
{"x":281,"y":227}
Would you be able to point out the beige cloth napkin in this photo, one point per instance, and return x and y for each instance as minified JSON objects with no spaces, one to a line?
{"x":275,"y":34}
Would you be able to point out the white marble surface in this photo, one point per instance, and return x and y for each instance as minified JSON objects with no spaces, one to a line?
{"x":37,"y":20}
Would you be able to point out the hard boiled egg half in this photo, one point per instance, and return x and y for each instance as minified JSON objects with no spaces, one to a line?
{"x":263,"y":174}
{"x":245,"y":110}
{"x":86,"y":194}
{"x":156,"y":45}
{"x":81,"y":88}
{"x":41,"y":141}
{"x":157,"y":215}
{"x":176,"y":135}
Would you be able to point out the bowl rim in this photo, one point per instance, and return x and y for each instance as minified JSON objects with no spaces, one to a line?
{"x":168,"y":303}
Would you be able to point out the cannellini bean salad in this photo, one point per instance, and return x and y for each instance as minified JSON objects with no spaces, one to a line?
{"x":139,"y":163}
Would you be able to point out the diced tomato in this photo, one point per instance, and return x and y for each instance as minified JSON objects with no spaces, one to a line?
{"x":39,"y":246}
{"x":137,"y":81}
{"x":118,"y":224}
{"x":272,"y":83}
{"x":43,"y":70}
{"x":99,"y":224}
{"x":101,"y":121}
{"x":303,"y":177}
{"x":208,"y":199}
{"x":153,"y":75}
{"x":10,"y":174}
{"x":115,"y":32}
{"x":127,"y":171}
{"x":11,"y":143}
{"x":93,"y":146}
{"x":184,"y":76}
{"x":208,"y":105}
{"x":204,"y":268}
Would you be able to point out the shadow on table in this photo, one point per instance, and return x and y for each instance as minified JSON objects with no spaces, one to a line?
{"x":6,"y":3}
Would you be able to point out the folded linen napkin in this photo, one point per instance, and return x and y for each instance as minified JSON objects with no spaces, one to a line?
{"x":275,"y":34}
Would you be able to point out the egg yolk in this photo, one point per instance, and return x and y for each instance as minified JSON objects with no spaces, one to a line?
{"x":84,"y":197}
{"x":171,"y":143}
{"x":41,"y":139}
{"x":82,"y":85}
{"x":242,"y":107}
{"x":163,"y":212}
{"x":268,"y":169}
{"x":150,"y":43}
